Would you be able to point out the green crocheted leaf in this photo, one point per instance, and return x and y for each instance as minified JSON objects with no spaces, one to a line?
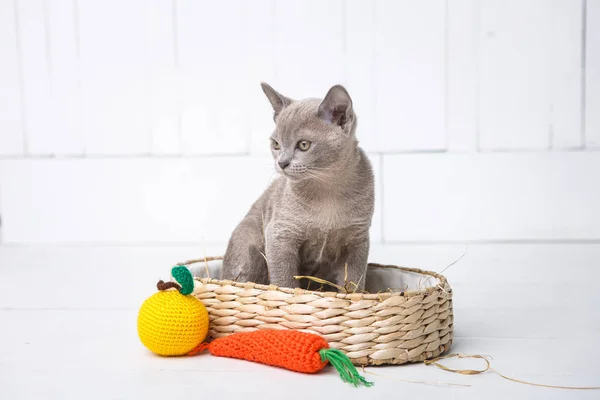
{"x":184,"y":277}
{"x":344,"y":367}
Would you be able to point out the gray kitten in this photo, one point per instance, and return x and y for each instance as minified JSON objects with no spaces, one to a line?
{"x":315,"y":217}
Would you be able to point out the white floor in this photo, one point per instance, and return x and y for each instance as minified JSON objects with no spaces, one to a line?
{"x":68,"y":327}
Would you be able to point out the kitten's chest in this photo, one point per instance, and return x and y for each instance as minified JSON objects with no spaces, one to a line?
{"x":326,"y":246}
{"x":329,"y":215}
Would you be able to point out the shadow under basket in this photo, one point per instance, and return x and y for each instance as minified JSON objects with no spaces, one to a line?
{"x":405,"y":316}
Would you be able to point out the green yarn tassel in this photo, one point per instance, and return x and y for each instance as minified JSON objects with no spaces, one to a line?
{"x":344,"y":366}
{"x":184,"y":277}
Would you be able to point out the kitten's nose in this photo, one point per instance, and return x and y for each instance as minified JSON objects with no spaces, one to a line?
{"x":284,"y":163}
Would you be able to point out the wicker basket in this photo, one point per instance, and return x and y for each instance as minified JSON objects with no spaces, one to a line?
{"x":388,"y":326}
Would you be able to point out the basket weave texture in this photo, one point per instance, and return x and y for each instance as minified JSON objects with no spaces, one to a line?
{"x":372,"y":329}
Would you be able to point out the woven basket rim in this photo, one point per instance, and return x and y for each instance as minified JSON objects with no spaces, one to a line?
{"x":442,"y":286}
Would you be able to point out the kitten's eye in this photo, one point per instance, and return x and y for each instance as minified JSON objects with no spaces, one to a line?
{"x":304,"y":145}
{"x":275,"y":144}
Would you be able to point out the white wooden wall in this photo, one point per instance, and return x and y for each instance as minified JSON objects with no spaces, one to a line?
{"x":142,"y":121}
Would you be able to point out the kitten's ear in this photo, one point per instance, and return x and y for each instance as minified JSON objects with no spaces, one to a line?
{"x":336,"y":108}
{"x":277,"y":100}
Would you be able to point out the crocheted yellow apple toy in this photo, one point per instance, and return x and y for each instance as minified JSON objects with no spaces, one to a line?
{"x":171,"y":322}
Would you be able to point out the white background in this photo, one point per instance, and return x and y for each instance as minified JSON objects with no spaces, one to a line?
{"x":134,"y":134}
{"x":144,"y":122}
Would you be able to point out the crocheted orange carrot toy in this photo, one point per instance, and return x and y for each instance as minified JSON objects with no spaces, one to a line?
{"x":293,"y":350}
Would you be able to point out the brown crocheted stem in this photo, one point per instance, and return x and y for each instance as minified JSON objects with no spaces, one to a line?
{"x":161,"y":285}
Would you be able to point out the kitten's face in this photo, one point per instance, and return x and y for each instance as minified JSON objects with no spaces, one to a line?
{"x":313,"y":137}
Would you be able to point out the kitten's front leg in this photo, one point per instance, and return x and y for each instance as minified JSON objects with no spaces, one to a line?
{"x":283,"y":259}
{"x":357,"y":260}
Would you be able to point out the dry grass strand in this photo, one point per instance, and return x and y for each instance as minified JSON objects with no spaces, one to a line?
{"x":488,"y":367}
